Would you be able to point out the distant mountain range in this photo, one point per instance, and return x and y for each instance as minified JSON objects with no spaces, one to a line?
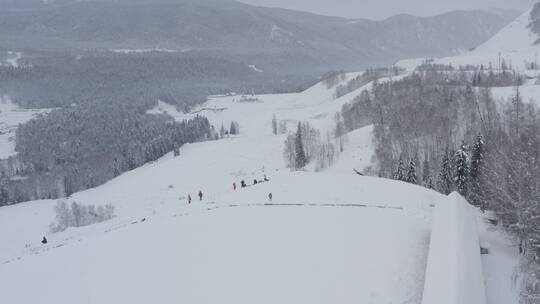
{"x":272,"y":39}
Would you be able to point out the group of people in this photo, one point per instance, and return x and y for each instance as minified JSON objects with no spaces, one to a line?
{"x":242,"y":184}
{"x":200,"y":194}
{"x":255,"y":182}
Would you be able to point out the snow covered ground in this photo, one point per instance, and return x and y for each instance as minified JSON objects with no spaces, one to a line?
{"x":327,"y":237}
{"x":10,"y":117}
{"x":10,"y":58}
{"x":500,"y":266}
{"x":454,"y":270}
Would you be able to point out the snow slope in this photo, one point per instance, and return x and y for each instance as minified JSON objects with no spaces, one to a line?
{"x":514,"y":44}
{"x":454,"y":270}
{"x":242,"y":254}
{"x":328,"y":237}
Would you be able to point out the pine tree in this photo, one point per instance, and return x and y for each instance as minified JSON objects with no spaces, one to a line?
{"x":445,"y":181}
{"x":176,"y":150}
{"x":477,"y":160}
{"x":517,"y":109}
{"x":411,"y":173}
{"x":222,"y":131}
{"x":462,"y":170}
{"x":426,"y":173}
{"x":339,"y":131}
{"x":300,"y":155}
{"x":399,"y":174}
{"x":234,"y":129}
{"x":4,"y":195}
{"x":274,"y":125}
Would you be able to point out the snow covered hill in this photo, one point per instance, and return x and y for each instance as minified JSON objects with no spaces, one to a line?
{"x":515,"y":44}
{"x":325,"y":237}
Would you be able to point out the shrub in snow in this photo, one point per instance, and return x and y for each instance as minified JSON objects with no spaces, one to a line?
{"x":77,"y":215}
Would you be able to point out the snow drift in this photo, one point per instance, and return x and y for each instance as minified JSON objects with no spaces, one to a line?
{"x":454,"y":268}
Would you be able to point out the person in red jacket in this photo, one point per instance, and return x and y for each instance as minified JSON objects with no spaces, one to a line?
{"x":200,"y":195}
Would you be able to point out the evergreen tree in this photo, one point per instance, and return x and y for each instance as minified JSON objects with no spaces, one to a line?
{"x":176,"y":150}
{"x":222,"y":131}
{"x":300,"y":155}
{"x":4,"y":195}
{"x":234,"y":129}
{"x":517,"y":109}
{"x":462,"y":169}
{"x":477,"y":159}
{"x":411,"y":173}
{"x":339,"y":131}
{"x":274,"y":125}
{"x":426,"y":173}
{"x":445,"y":181}
{"x":399,"y":174}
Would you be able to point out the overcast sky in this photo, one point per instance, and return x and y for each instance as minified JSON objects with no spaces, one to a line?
{"x":380,"y":9}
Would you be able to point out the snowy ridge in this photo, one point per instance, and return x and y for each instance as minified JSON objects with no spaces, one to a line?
{"x":514,"y":44}
{"x":514,"y":36}
{"x":454,"y":268}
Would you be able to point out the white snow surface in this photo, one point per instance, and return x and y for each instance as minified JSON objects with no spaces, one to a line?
{"x":12,"y":59}
{"x":255,"y":68}
{"x":326,"y":237}
{"x":10,"y":118}
{"x":454,"y":269}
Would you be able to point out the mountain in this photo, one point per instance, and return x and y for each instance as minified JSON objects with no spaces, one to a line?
{"x":517,"y":45}
{"x":271,"y":38}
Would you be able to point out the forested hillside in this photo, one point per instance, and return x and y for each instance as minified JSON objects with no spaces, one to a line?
{"x":58,"y":79}
{"x":100,"y":127}
{"x":441,"y":127}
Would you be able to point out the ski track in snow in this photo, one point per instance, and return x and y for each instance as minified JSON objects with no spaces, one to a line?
{"x":209,"y":206}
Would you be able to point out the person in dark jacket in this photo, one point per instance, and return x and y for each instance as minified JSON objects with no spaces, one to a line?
{"x":189,"y":198}
{"x":200,"y":195}
{"x":44,"y":241}
{"x":270,"y":196}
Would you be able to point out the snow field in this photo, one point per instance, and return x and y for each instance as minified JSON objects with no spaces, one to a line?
{"x":454,"y":268}
{"x":328,"y":237}
{"x":242,"y":255}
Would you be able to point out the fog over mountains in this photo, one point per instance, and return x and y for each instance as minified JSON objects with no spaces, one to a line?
{"x":271,"y":38}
